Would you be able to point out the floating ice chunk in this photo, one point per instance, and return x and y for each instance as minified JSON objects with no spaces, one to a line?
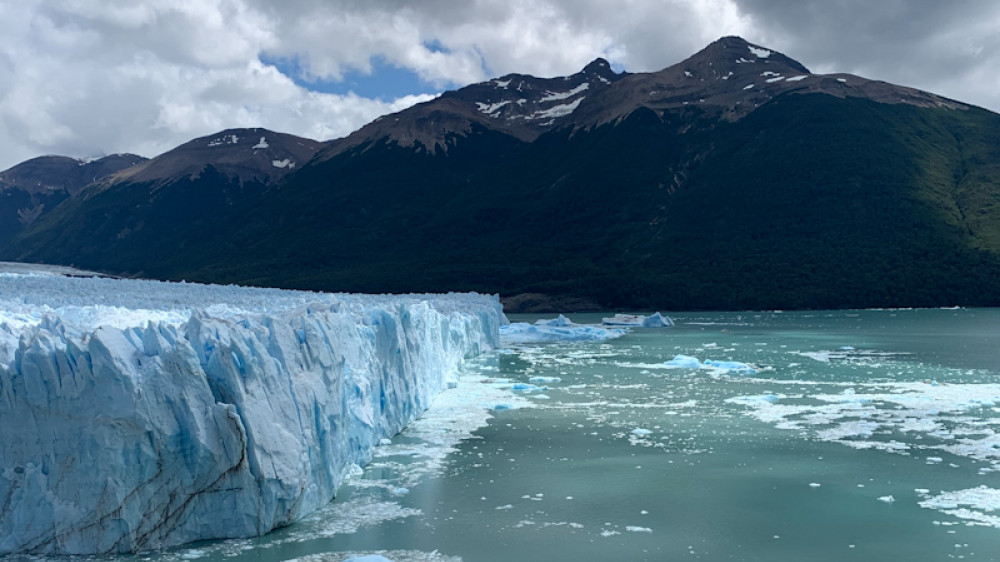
{"x":655,"y":320}
{"x":814,"y":484}
{"x":368,"y":558}
{"x":383,"y":442}
{"x":886,"y":499}
{"x":637,"y":529}
{"x":523,"y":333}
{"x":934,"y":460}
{"x":524,"y":387}
{"x":560,"y":321}
{"x":684,"y":362}
{"x":731,"y":367}
{"x":544,"y":380}
{"x":400,"y":491}
{"x":978,"y":505}
{"x":640,"y":432}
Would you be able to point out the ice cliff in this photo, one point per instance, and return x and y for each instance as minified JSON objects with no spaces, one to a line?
{"x":137,"y":415}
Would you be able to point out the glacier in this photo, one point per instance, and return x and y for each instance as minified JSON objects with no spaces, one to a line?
{"x":138,"y":415}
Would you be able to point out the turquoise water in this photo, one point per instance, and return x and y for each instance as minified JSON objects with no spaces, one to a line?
{"x":626,"y":459}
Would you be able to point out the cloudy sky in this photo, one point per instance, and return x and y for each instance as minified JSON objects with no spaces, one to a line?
{"x":91,"y":77}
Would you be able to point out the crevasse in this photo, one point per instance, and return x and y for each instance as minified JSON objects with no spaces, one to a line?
{"x":173,"y":413}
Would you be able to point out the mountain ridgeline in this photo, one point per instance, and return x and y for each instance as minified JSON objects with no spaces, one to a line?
{"x":735,"y":179}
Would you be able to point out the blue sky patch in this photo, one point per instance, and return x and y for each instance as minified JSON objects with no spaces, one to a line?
{"x":386,"y":81}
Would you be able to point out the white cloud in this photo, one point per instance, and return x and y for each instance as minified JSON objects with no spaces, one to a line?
{"x":80,"y":77}
{"x":83,"y":78}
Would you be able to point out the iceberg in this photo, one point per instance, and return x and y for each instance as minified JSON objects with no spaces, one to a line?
{"x":728,"y":367}
{"x":560,"y":320}
{"x":683,"y":362}
{"x":655,"y":320}
{"x":556,"y":330}
{"x":138,"y":415}
{"x":731,"y":367}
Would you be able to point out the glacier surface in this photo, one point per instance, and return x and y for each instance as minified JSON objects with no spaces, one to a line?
{"x":138,"y":415}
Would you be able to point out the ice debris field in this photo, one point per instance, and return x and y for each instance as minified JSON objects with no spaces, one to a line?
{"x":138,"y":414}
{"x":562,"y":330}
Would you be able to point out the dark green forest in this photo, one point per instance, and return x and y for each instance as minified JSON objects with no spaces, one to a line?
{"x":811,"y":201}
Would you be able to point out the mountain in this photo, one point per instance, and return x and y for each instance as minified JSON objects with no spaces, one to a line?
{"x":241,"y":155}
{"x":520,"y":105}
{"x":32,"y":188}
{"x":734,"y":179}
{"x":165,"y":205}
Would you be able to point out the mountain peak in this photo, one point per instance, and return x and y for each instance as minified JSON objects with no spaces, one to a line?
{"x":598,"y":66}
{"x":247,"y":153}
{"x":734,"y":50}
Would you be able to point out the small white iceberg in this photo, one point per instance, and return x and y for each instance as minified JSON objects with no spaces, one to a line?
{"x":655,"y":320}
{"x":727,"y":367}
{"x":684,"y":362}
{"x":560,"y":320}
{"x":555,"y":330}
{"x":731,"y":367}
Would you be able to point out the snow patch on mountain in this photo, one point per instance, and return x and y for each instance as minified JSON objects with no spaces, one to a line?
{"x":286,"y":163}
{"x":491,"y":108}
{"x":261,"y":145}
{"x":758,"y":52}
{"x":553,"y":96}
{"x":225,"y":139}
{"x":557,"y":110}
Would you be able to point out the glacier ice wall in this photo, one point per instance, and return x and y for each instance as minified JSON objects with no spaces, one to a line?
{"x":171,"y":413}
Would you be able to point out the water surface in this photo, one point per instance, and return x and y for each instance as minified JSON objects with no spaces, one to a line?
{"x":862,"y":435}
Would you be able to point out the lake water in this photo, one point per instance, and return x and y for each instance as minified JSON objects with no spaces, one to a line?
{"x":863,"y":435}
